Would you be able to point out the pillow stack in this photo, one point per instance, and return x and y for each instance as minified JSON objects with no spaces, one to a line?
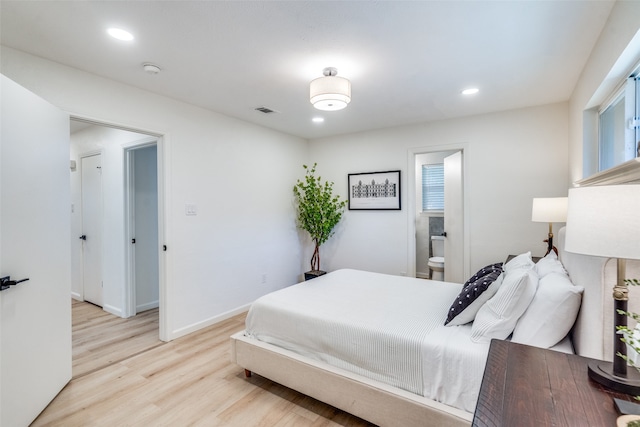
{"x":537,"y":303}
{"x":498,"y":317}
{"x":554,"y":308}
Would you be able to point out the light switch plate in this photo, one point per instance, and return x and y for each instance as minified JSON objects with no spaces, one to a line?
{"x":190,"y":209}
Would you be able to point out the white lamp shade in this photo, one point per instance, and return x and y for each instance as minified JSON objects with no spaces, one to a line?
{"x":330,"y":93}
{"x":549,"y":209}
{"x":604,"y":221}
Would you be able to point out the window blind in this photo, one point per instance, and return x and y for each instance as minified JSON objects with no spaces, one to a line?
{"x":433,"y":187}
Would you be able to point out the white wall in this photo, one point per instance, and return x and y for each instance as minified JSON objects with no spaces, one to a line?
{"x":110,"y":143}
{"x":239,"y":175}
{"x":512,"y":157}
{"x":616,"y":51}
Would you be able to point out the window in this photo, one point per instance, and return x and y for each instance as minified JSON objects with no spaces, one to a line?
{"x":617,"y":125}
{"x":433,"y":187}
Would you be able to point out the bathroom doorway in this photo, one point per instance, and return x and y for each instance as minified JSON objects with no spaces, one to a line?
{"x":444,"y":214}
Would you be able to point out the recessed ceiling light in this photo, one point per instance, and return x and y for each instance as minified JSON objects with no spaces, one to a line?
{"x":120,"y":34}
{"x":471,"y":91}
{"x":317,"y":119}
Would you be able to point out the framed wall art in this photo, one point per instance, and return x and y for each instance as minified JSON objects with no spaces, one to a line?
{"x":374,"y":190}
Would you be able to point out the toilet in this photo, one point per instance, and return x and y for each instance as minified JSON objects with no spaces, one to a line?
{"x":436,"y":262}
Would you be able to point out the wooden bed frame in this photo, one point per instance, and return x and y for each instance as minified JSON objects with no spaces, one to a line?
{"x":385,"y":405}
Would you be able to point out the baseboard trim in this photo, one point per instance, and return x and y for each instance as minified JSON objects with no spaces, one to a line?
{"x":113,"y":310}
{"x":147,"y":306}
{"x":208,"y":322}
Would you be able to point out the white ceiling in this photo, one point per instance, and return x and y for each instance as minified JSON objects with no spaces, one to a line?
{"x":407,"y":60}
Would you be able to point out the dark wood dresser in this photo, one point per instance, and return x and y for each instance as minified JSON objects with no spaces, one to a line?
{"x":529,"y":386}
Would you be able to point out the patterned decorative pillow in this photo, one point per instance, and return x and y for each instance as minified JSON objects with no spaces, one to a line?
{"x":475,"y":292}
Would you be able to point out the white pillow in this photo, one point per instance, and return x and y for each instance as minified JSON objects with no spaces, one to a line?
{"x":497,"y":317}
{"x":521,"y":261}
{"x":551,"y":314}
{"x":550,"y":264}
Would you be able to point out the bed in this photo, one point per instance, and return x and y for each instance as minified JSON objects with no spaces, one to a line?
{"x":389,"y":359}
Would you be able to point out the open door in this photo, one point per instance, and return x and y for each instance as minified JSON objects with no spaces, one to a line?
{"x":453,"y":219}
{"x":143,"y":225}
{"x":35,"y":203}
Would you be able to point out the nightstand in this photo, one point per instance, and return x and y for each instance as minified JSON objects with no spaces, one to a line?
{"x":529,"y":386}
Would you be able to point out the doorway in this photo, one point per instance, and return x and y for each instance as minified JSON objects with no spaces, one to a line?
{"x":114,"y":143}
{"x":449,"y":220}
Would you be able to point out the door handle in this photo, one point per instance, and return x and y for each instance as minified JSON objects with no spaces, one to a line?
{"x":443,"y":234}
{"x":6,"y":282}
{"x":83,"y":237}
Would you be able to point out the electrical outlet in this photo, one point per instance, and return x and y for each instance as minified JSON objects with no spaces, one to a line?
{"x":263,"y":279}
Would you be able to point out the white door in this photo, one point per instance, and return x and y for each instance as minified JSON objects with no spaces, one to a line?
{"x":92,"y":229}
{"x":453,"y":219}
{"x":145,"y":213}
{"x":35,"y":206}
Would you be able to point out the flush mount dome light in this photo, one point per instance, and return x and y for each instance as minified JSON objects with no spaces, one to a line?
{"x":330,"y":93}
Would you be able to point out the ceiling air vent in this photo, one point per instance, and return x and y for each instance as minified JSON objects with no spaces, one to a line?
{"x":266,"y":110}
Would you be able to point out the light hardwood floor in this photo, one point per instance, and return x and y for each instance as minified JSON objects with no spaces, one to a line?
{"x":187,"y":382}
{"x":101,"y":339}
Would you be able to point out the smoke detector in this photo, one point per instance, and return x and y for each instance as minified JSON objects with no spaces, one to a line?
{"x":150,"y":68}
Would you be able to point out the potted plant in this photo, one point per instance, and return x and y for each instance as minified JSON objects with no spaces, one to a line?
{"x":318,"y":212}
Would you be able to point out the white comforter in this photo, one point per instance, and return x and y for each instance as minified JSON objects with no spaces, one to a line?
{"x":384,"y":327}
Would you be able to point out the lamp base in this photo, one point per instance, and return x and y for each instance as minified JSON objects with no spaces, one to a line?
{"x":602,"y":372}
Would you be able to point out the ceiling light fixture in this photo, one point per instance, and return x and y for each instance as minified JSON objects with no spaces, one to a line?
{"x":317,"y":119}
{"x":120,"y":34}
{"x":150,"y":68}
{"x":471,"y":91}
{"x":330,"y":93}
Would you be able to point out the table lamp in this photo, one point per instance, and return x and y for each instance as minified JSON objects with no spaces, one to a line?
{"x":604,"y":221}
{"x":549,"y":209}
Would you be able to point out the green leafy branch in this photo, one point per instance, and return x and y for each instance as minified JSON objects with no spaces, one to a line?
{"x":627,"y":334}
{"x":319,"y":210}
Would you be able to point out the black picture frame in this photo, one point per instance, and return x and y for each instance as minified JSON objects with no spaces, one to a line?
{"x":374,"y":190}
